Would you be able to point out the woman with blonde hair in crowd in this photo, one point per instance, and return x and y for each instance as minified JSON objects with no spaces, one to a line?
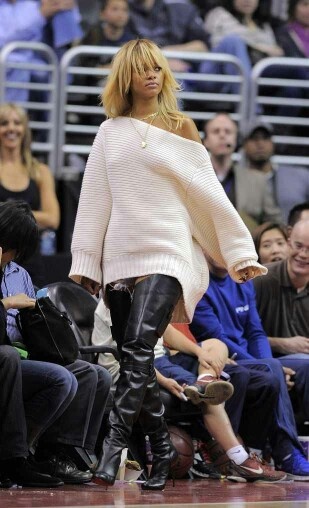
{"x":150,"y":203}
{"x":22,"y":176}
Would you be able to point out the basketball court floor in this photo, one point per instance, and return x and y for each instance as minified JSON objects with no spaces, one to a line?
{"x":186,"y":493}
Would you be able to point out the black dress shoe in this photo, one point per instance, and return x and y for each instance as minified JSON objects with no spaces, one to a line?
{"x":63,"y":467}
{"x":5,"y":482}
{"x":20,"y":472}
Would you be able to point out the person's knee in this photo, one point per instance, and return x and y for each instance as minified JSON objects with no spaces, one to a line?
{"x":104,"y":377}
{"x":240,"y":376}
{"x":83,"y":370}
{"x":271,"y":383}
{"x":215,"y":345}
{"x":9,"y":356}
{"x":64,"y":378}
{"x":231,"y":42}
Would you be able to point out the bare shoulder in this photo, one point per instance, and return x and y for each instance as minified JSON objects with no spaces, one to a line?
{"x":44,"y":169}
{"x":189,"y":130}
{"x":44,"y":174}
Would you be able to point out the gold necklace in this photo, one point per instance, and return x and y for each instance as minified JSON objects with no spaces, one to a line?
{"x":143,"y":138}
{"x":148,"y":116}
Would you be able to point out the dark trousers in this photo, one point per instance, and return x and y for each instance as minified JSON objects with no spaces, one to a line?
{"x":254,"y":403}
{"x":283,"y":434}
{"x":80,"y":423}
{"x":301,"y":367}
{"x":32,"y":395}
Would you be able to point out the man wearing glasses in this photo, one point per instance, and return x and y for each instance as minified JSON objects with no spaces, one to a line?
{"x":283,"y":304}
{"x":283,"y":297}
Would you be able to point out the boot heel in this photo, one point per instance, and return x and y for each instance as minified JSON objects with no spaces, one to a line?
{"x":103,"y":479}
{"x":173,"y":479}
{"x":160,"y":471}
{"x":174,"y":460}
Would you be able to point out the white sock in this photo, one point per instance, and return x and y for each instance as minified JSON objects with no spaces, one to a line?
{"x":237,"y":454}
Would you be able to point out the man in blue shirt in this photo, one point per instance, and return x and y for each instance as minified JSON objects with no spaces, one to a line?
{"x":228,"y":312}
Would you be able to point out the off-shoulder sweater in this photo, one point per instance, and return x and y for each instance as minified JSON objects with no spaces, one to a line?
{"x":154,"y":210}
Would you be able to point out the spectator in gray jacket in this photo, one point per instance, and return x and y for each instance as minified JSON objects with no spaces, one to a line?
{"x":247,"y":190}
{"x":289,"y":185}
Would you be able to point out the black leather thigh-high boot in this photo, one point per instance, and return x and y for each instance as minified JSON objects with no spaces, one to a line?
{"x":152,"y":421}
{"x":153,"y":302}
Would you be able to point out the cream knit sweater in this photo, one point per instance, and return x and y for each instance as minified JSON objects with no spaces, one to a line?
{"x":154,"y":210}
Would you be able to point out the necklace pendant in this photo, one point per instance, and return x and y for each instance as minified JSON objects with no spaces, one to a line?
{"x":144,"y":144}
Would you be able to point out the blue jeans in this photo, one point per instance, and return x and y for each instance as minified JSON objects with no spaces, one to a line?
{"x":80,"y":423}
{"x":33,"y":395}
{"x":230,"y":45}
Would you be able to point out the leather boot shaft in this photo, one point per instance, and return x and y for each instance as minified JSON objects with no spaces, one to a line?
{"x":153,"y":302}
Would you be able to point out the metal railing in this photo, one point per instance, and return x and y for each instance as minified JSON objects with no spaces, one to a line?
{"x":67,"y":120}
{"x":270,"y":102}
{"x":39,"y":91}
{"x":80,"y":87}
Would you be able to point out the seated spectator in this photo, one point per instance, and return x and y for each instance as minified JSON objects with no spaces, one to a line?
{"x":29,"y":390}
{"x":23,"y":177}
{"x":24,"y":20}
{"x":62,"y":29}
{"x":112,"y":28}
{"x":248,"y":21}
{"x":172,"y":25}
{"x":33,"y":394}
{"x":270,"y":240}
{"x":247,"y":190}
{"x":284,"y":313}
{"x":177,"y":26}
{"x":240,"y":29}
{"x":80,"y":423}
{"x":298,"y":212}
{"x":228,"y":311}
{"x":190,"y":366}
{"x":289,"y":185}
{"x":293,"y":36}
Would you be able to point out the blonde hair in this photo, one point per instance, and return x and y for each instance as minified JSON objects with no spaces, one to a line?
{"x":30,"y":162}
{"x":137,"y":56}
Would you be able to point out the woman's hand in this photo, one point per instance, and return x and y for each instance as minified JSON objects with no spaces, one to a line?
{"x":92,"y":286}
{"x":247,"y":273}
{"x":20,"y":301}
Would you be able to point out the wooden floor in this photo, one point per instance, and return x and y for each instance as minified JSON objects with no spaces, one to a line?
{"x":186,"y":493}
